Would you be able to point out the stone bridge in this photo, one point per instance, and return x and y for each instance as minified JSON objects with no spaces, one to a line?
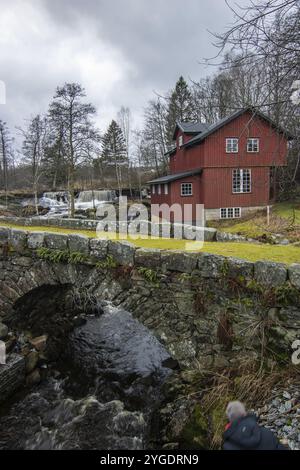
{"x":209,"y":311}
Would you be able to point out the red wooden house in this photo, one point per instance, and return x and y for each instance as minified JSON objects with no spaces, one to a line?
{"x":228,"y":166}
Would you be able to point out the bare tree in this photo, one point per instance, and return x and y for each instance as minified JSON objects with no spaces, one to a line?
{"x":124,"y":120}
{"x":34,"y":148}
{"x":74,"y":117}
{"x":6,"y":155}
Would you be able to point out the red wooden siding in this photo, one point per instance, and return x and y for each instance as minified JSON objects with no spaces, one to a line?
{"x":213,"y":187}
{"x":217,"y":184}
{"x":212,"y":151}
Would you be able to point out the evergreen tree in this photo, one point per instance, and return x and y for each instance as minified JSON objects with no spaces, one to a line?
{"x":180,"y":107}
{"x":114,"y":151}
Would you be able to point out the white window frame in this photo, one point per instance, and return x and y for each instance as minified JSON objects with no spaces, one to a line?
{"x":250,"y":143}
{"x":230,"y":145}
{"x":159,"y":189}
{"x":245,"y":181}
{"x":226,"y":211}
{"x":184,"y":187}
{"x":153,"y":189}
{"x":180,"y":141}
{"x":166,"y":189}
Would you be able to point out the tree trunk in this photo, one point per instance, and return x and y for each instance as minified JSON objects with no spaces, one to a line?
{"x":72,"y":191}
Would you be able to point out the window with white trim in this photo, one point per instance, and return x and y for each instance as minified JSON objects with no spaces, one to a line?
{"x":232,"y":145}
{"x":153,"y":189}
{"x":241,"y":181}
{"x":186,"y":189}
{"x":180,"y":141}
{"x":166,"y":188}
{"x":158,"y":189}
{"x":253,"y":145}
{"x":230,"y":212}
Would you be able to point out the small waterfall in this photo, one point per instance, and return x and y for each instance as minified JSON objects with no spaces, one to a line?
{"x":97,"y":196}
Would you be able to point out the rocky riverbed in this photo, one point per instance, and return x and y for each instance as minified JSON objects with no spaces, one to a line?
{"x":102,"y":393}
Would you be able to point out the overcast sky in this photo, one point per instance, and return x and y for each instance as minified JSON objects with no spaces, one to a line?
{"x":121,"y":51}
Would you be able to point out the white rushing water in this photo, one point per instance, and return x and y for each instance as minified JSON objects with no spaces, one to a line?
{"x":58,"y":202}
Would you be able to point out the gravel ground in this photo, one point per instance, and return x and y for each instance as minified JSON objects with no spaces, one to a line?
{"x":281,"y":414}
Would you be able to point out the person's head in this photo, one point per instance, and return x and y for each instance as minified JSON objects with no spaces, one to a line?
{"x":235,"y":410}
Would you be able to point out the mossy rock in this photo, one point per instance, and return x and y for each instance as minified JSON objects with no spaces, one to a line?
{"x":195,"y":434}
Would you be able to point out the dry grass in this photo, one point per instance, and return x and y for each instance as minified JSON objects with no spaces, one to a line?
{"x":249,"y":384}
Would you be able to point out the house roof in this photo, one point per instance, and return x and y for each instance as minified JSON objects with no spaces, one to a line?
{"x":222,"y":122}
{"x":176,"y":176}
{"x":191,"y":127}
{"x":171,"y":150}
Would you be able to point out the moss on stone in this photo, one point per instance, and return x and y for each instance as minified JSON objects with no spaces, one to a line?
{"x":195,"y":433}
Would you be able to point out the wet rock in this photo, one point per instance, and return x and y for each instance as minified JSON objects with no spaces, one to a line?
{"x":39,"y":343}
{"x":3,"y":331}
{"x":79,"y":320}
{"x":33,"y":378}
{"x":31,"y":361}
{"x":12,"y":375}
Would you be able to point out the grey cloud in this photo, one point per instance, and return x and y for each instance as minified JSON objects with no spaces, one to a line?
{"x":120,"y":50}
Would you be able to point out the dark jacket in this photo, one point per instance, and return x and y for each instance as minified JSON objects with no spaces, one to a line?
{"x":246,"y":434}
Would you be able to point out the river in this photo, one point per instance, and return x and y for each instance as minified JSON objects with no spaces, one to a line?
{"x":101,"y":394}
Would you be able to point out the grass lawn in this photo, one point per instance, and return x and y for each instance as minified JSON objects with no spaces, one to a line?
{"x":249,"y":251}
{"x":284,"y":220}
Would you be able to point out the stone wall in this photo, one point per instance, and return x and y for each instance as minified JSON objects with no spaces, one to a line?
{"x":12,"y":376}
{"x":186,"y":231}
{"x":208,"y":310}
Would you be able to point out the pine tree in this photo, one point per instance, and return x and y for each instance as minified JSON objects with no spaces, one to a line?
{"x":114,"y":151}
{"x":180,"y":108}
